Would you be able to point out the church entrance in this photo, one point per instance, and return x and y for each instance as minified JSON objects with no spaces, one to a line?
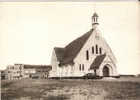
{"x":105,"y":71}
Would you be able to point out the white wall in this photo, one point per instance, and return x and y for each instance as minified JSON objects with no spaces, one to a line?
{"x":55,"y":68}
{"x":92,"y":41}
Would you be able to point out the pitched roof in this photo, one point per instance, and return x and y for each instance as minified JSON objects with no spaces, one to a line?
{"x":97,"y":62}
{"x":67,"y":54}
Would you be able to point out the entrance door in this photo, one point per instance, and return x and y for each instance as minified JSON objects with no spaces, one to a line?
{"x":105,"y":71}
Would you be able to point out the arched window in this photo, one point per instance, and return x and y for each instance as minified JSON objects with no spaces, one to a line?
{"x":96,"y":49}
{"x":93,"y":50}
{"x":100,"y":50}
{"x":87,"y":55}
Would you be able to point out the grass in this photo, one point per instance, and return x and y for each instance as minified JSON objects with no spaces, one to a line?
{"x":28,"y":89}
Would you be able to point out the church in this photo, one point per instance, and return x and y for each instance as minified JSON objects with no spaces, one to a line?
{"x":89,"y":53}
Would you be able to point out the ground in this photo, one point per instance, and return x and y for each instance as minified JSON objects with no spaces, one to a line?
{"x":71,"y":89}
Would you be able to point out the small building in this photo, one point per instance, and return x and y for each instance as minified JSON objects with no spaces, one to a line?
{"x":36,"y":71}
{"x":14,"y":72}
{"x":3,"y":74}
{"x":89,"y":53}
{"x":20,"y":71}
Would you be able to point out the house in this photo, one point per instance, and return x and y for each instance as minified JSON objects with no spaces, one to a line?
{"x":36,"y":71}
{"x":87,"y":54}
{"x":20,"y":71}
{"x":14,"y":72}
{"x":3,"y":74}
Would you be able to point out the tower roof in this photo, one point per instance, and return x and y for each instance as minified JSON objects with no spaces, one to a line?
{"x":95,"y":15}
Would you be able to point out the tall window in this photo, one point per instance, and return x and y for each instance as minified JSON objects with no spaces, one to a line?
{"x":94,"y":19}
{"x":80,"y":67}
{"x":87,"y":55}
{"x":93,"y":49}
{"x":83,"y":67}
{"x":100,"y":50}
{"x":96,"y":49}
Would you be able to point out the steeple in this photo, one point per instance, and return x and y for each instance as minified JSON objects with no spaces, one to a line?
{"x":95,"y":20}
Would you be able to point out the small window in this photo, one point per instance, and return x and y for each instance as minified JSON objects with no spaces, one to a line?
{"x":100,"y":50}
{"x":93,"y":50}
{"x":83,"y":67}
{"x":96,"y":49}
{"x":87,"y":55}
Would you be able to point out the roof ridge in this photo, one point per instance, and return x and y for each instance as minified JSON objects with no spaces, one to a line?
{"x":69,"y":52}
{"x":79,"y":37}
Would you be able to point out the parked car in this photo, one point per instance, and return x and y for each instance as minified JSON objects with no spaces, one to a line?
{"x":91,"y":76}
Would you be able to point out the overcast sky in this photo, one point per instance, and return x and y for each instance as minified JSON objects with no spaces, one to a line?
{"x":30,"y":31}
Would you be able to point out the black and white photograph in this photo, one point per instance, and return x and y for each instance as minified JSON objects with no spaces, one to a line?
{"x":70,"y":50}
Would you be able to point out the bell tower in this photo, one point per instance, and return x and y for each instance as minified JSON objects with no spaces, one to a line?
{"x":95,"y":20}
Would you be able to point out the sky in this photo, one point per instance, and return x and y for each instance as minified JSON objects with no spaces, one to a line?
{"x":30,"y":30}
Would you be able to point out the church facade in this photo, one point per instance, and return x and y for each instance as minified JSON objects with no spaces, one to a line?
{"x":87,"y":54}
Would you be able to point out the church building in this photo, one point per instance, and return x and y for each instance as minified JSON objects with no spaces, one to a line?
{"x":87,"y":54}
